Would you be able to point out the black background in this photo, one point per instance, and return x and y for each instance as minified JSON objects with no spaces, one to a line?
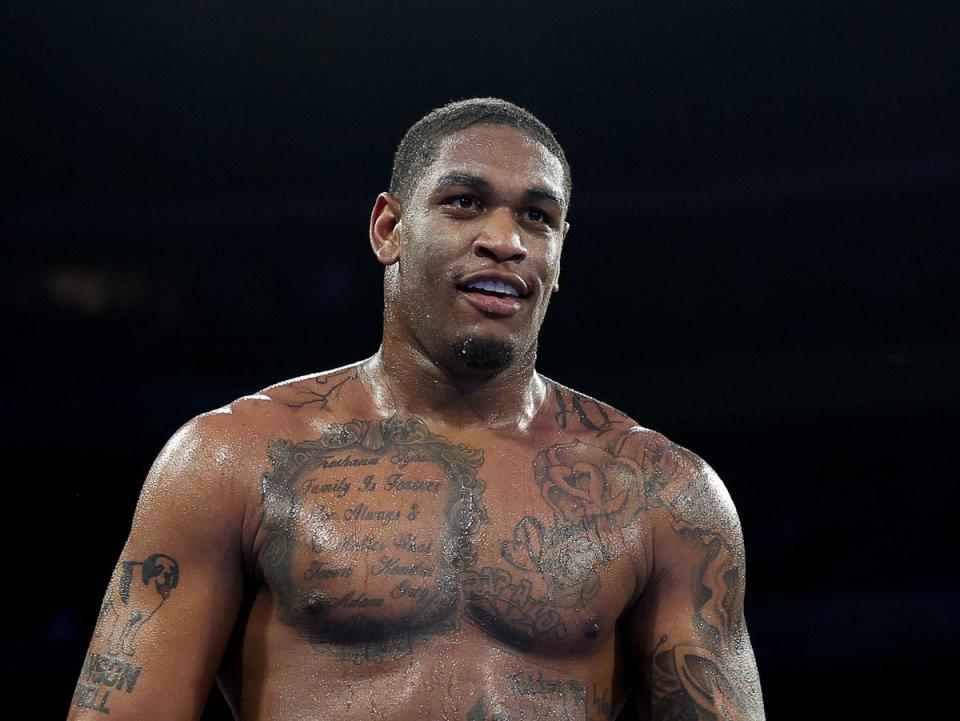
{"x":761,"y":265}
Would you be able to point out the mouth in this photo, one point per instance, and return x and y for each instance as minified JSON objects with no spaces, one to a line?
{"x":493,"y":293}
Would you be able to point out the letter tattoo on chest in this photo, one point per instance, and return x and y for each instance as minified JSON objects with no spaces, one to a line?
{"x":422,"y":595}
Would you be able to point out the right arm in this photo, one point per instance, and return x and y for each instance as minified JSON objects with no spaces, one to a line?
{"x":176,"y":590}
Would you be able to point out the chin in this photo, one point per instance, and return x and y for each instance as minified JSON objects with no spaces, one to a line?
{"x":490,"y":355}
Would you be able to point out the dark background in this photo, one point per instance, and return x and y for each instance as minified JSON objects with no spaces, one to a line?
{"x":761,"y":265}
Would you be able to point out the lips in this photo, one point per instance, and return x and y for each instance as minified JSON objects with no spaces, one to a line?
{"x":495,"y":281}
{"x":493,"y":292}
{"x":491,"y":304}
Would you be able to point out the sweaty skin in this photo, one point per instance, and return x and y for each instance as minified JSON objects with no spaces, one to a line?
{"x":421,"y":535}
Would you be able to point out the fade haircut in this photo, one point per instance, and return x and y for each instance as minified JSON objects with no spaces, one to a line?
{"x":419,"y":146}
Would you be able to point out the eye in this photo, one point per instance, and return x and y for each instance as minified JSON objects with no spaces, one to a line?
{"x":463,"y":202}
{"x":537,"y":215}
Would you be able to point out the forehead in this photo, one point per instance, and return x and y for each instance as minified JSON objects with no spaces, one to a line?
{"x":500,"y":154}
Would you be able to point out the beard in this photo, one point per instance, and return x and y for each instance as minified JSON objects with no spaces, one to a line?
{"x":484,"y":354}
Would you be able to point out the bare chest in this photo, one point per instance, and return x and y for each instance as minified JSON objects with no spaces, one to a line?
{"x":381,"y":534}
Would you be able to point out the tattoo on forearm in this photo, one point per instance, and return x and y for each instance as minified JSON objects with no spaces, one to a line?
{"x":137,"y":591}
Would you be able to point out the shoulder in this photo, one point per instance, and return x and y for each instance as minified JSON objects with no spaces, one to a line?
{"x":278,"y":408}
{"x":227,"y":445}
{"x":660,"y":479}
{"x":680,"y":489}
{"x":683,"y":502}
{"x":314,"y":392}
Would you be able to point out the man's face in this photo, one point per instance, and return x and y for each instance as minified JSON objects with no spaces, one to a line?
{"x":479,"y":249}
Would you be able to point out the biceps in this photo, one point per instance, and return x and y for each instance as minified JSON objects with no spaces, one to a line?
{"x":159,"y":634}
{"x":138,"y":590}
{"x":689,"y":681}
{"x":690,"y":668}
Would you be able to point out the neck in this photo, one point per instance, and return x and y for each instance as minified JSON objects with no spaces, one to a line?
{"x":405,"y":380}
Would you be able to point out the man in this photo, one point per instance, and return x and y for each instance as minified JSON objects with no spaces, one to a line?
{"x":438,"y":531}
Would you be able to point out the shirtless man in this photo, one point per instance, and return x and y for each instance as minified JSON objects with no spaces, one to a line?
{"x":436,"y":532}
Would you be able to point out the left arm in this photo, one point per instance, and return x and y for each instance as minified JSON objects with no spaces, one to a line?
{"x":687,"y":629}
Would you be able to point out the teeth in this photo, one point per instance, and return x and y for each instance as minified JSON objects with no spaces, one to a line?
{"x":494,"y":286}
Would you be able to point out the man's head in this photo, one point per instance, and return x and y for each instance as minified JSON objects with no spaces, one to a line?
{"x":471,"y":235}
{"x":418,"y":148}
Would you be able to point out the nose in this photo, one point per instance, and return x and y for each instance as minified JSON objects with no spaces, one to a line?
{"x":500,"y":238}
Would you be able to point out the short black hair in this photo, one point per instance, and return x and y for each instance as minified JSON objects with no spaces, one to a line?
{"x":419,"y":145}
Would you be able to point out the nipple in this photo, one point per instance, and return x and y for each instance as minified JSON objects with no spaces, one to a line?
{"x":591,"y":626}
{"x":315,"y":602}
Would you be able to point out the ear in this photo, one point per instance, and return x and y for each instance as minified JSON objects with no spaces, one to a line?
{"x":384,"y":229}
{"x":563,"y":237}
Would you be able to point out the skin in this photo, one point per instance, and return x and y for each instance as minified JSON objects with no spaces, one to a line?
{"x":413,"y":536}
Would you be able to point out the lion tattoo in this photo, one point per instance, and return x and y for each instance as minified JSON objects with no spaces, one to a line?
{"x":134,"y":596}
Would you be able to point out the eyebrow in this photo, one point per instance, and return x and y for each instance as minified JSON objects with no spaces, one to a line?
{"x":462,"y":179}
{"x":482,"y":186}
